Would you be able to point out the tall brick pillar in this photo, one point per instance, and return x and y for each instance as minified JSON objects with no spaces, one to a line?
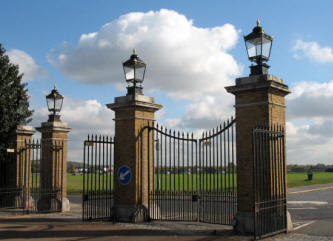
{"x":132,"y":113}
{"x":259,"y":98}
{"x":16,"y":170}
{"x":53,"y":167}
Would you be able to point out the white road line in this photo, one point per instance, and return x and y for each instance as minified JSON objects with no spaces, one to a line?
{"x":301,"y":208}
{"x":304,"y":225}
{"x":311,"y":190}
{"x":307,"y":202}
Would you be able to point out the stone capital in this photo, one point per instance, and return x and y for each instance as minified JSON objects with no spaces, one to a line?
{"x":266,"y":82}
{"x":25,"y":130}
{"x":135,"y":101}
{"x":54,"y":126}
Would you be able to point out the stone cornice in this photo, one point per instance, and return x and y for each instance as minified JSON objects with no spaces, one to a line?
{"x":138,"y":102}
{"x":55,"y":126}
{"x":25,"y":130}
{"x":257,"y":82}
{"x":259,"y":103}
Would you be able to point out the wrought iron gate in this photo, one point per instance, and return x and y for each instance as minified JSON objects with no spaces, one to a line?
{"x":193,"y":179}
{"x":98,"y":180}
{"x":20,"y":188}
{"x":11,"y":188}
{"x":270,"y":214}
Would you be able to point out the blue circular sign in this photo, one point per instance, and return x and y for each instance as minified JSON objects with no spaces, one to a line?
{"x":124,"y":175}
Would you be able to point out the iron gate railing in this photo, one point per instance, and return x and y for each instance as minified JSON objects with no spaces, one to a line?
{"x":11,"y":185}
{"x":270,"y":213}
{"x":98,"y":174}
{"x":20,"y":188}
{"x":194,"y":179}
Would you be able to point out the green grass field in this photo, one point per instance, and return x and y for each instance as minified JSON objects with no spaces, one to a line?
{"x":189,"y":182}
{"x":296,"y":179}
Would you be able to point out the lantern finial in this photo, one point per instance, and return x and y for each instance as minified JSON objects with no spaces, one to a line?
{"x":55,"y":87}
{"x":258,"y":22}
{"x":134,"y":51}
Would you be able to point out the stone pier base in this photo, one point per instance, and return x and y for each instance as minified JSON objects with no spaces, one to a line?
{"x":243,"y":223}
{"x":130,"y":213}
{"x":47,"y":204}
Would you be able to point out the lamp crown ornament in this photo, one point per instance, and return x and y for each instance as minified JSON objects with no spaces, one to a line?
{"x":134,"y":70}
{"x":258,"y":45}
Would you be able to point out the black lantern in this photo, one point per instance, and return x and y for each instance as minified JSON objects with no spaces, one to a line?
{"x":258,"y":47}
{"x":134,"y":70}
{"x":54,"y":104}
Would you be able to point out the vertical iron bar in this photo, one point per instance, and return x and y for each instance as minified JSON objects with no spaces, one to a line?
{"x":229,"y":182}
{"x":224,"y":173}
{"x":254,"y":146}
{"x":148,"y":141}
{"x":84,"y":183}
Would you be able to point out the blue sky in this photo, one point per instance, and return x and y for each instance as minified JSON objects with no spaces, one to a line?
{"x":37,"y":33}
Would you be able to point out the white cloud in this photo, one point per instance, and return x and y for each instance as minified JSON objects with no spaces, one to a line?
{"x":175,"y":123}
{"x":306,"y":144}
{"x":84,"y":117}
{"x":313,"y":51}
{"x":26,"y":64}
{"x":310,"y":123}
{"x":209,"y":111}
{"x":183,"y":60}
{"x":160,"y":114}
{"x":310,"y":100}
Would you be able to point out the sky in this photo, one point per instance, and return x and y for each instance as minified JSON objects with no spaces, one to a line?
{"x":193,"y":50}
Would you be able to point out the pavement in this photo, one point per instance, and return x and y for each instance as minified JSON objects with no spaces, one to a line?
{"x":311,"y":208}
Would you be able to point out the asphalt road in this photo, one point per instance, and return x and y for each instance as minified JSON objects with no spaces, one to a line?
{"x":312,"y":211}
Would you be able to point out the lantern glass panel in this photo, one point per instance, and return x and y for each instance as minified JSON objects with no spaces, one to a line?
{"x":50,"y":104}
{"x":129,"y":73}
{"x":251,"y":49}
{"x":266,"y":47}
{"x":58,"y":104}
{"x":139,"y":73}
{"x":258,"y":49}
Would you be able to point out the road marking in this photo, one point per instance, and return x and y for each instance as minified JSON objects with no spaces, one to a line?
{"x":123,"y":175}
{"x":307,"y":202}
{"x":304,"y":225}
{"x":301,"y":208}
{"x":311,"y":190}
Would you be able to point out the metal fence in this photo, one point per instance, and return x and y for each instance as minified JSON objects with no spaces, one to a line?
{"x":270,"y":213}
{"x":98,"y":174}
{"x":11,"y":185}
{"x":193,"y":179}
{"x":20,"y":179}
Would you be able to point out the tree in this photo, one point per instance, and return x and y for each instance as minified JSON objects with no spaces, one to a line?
{"x":14,"y":104}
